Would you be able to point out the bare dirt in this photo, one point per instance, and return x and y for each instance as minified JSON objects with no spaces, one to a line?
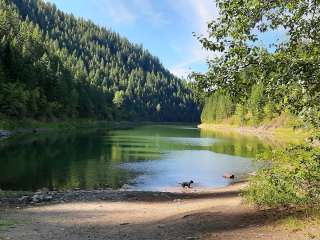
{"x":188,"y":214}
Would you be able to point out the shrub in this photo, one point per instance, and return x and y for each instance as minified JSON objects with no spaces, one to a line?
{"x":293,"y":179}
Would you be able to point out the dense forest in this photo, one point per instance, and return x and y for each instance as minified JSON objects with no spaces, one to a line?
{"x":249,"y":84}
{"x":253,"y":83}
{"x":56,"y":66}
{"x":256,"y":109}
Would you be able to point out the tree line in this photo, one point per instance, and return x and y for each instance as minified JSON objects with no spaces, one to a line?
{"x":265,"y":81}
{"x":255,"y":110}
{"x":56,"y":66}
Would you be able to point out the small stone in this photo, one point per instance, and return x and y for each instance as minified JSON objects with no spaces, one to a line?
{"x":5,"y":134}
{"x":48,"y":198}
{"x":125,"y":187}
{"x":25,"y":199}
{"x":37,"y":198}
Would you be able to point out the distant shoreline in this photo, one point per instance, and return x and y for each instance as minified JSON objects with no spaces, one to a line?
{"x":262,"y":130}
{"x":265,"y":133}
{"x":33,"y":127}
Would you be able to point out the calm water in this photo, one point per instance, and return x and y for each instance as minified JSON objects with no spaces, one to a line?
{"x":150,"y":157}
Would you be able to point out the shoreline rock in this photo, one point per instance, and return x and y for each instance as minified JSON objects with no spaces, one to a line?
{"x":26,"y":199}
{"x":5,"y":134}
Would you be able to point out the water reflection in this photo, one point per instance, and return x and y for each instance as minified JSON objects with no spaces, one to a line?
{"x":205,"y":168}
{"x":141,"y":156}
{"x":61,"y":161}
{"x":233,"y":143}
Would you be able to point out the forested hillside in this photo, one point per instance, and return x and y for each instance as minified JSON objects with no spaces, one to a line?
{"x":56,"y":66}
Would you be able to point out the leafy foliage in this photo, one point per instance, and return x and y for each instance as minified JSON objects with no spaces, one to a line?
{"x":289,"y":73}
{"x":53,"y":65}
{"x":263,"y":83}
{"x":293,"y":178}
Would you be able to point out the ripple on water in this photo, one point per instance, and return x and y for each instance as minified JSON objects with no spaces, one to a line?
{"x":204,"y":167}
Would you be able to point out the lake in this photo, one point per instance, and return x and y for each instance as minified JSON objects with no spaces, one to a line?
{"x":147,"y":157}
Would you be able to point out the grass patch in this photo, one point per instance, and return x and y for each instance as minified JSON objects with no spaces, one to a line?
{"x":285,"y":128}
{"x":292,"y":224}
{"x":11,"y":124}
{"x":5,"y":224}
{"x":13,"y":194}
{"x":71,"y":124}
{"x":292,"y":136}
{"x":273,"y":136}
{"x":305,"y":221}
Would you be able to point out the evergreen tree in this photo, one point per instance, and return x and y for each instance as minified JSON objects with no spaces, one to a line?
{"x":53,"y":65}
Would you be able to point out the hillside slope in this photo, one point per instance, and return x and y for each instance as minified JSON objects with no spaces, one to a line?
{"x":53,"y":65}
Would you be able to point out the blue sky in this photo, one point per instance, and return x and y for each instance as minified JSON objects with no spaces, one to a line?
{"x":164,"y":27}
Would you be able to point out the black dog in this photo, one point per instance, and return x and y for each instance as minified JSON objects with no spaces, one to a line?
{"x":186,"y":184}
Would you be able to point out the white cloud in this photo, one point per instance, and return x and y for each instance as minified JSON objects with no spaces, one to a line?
{"x":205,"y":11}
{"x":201,"y":12}
{"x":129,"y":11}
{"x":147,"y":9}
{"x":195,"y":56}
{"x":183,"y":69}
{"x":117,"y":11}
{"x":195,"y":14}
